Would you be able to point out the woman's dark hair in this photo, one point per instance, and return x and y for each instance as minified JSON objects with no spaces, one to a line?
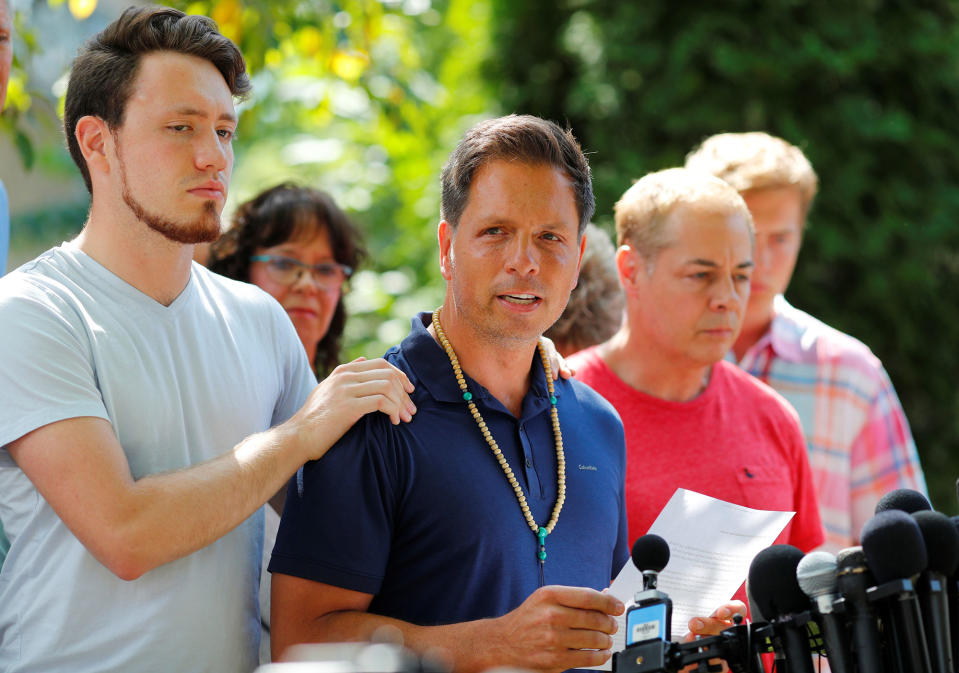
{"x":288,"y":212}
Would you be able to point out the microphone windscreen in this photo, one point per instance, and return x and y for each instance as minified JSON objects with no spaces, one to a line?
{"x":816,"y":574}
{"x":893,"y":546}
{"x":773,"y":584}
{"x":903,"y":499}
{"x":650,"y":552}
{"x":942,"y":541}
{"x":852,"y":571}
{"x":955,"y":522}
{"x":755,"y":614}
{"x":850,"y":557}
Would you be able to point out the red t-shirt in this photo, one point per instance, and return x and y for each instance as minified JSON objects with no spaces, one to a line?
{"x":738,"y":441}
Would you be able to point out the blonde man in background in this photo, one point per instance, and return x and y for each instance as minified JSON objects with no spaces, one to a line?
{"x":693,"y":420}
{"x":857,"y":435}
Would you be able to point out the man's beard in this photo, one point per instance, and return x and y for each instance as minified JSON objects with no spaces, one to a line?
{"x":204,"y":229}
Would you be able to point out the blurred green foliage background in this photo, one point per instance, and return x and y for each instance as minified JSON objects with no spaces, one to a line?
{"x":365,"y":99}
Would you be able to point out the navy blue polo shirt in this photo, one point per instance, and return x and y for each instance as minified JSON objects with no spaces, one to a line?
{"x":421,"y":515}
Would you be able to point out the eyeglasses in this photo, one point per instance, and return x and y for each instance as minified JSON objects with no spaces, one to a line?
{"x":288,"y":271}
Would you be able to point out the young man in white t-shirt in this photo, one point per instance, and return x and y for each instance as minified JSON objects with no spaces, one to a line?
{"x":151,"y":407}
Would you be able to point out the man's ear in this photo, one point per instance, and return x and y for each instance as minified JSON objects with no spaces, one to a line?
{"x":628,"y":265}
{"x":96,"y":143}
{"x":444,"y":234}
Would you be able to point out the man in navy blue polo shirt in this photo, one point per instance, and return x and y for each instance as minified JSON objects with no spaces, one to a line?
{"x":487,"y":527}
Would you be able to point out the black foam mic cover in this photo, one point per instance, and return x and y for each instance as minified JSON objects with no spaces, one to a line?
{"x":903,"y":499}
{"x":650,"y":552}
{"x":941,"y":539}
{"x":773,"y":585}
{"x":896,"y":552}
{"x":942,"y":548}
{"x":893,"y":546}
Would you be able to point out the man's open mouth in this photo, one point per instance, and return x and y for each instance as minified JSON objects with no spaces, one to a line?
{"x":520,"y":298}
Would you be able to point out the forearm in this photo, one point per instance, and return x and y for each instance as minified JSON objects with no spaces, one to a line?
{"x":134,"y":525}
{"x":467,"y":647}
{"x":160,"y":521}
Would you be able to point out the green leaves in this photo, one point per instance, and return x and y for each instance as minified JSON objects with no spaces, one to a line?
{"x":869,"y":90}
{"x":365,"y":100}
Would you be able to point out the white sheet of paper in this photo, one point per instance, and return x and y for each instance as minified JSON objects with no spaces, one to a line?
{"x":711,"y":544}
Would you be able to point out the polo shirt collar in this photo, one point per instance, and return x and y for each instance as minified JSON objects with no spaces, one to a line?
{"x":784,"y":334}
{"x":433,"y":371}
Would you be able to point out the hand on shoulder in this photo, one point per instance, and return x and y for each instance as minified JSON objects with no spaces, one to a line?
{"x":350,"y":392}
{"x":558,"y":364}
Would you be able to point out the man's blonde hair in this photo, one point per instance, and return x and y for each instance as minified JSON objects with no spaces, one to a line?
{"x":756,"y":161}
{"x":643,"y":211}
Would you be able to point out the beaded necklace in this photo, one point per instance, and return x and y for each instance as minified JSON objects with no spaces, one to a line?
{"x":539,"y":531}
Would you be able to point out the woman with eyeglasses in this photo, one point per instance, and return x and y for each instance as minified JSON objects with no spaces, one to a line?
{"x":298,"y":246}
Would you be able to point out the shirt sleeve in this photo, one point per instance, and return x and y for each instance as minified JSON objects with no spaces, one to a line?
{"x":298,"y":376}
{"x":883,"y":455}
{"x":46,"y":364}
{"x":337,"y":523}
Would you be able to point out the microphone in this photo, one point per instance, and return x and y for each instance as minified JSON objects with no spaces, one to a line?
{"x":650,"y":617}
{"x":854,"y":578}
{"x":896,"y":552}
{"x":953,"y":586}
{"x":816,"y":574}
{"x":905,"y":500}
{"x":942,"y":549}
{"x":760,"y":634}
{"x":773,"y":584}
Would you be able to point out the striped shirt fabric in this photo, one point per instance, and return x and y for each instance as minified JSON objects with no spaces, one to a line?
{"x":858,"y":438}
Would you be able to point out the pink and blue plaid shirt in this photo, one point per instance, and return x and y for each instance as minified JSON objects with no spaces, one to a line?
{"x":857,"y":435}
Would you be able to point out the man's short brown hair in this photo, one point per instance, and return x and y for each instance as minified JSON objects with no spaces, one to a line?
{"x":756,"y":161}
{"x":521,"y":138}
{"x":643,"y":211}
{"x":103,"y":73}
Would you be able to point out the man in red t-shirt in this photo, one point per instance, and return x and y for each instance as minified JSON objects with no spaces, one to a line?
{"x":693,"y":420}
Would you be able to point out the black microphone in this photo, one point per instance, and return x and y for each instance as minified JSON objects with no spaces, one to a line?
{"x":942,"y":550}
{"x":904,"y":500}
{"x":816,"y":574}
{"x":896,"y":553}
{"x":760,"y":633}
{"x":953,"y":586}
{"x":854,"y":578}
{"x":650,"y":617}
{"x":773,"y":585}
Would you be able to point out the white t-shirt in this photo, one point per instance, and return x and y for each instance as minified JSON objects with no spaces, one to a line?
{"x":180,"y":384}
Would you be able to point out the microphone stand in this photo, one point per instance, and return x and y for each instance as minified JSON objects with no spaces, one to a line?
{"x":934,"y":601}
{"x":733,"y":645}
{"x":905,"y":624}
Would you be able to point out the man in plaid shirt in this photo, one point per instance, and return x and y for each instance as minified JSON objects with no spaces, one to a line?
{"x":858,"y":438}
